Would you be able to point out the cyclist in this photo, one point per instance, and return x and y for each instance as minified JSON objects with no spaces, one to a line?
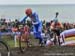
{"x":37,"y":24}
{"x":56,"y":26}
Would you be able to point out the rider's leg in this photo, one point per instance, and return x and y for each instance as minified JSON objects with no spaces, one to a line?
{"x":58,"y":36}
{"x":38,"y":36}
{"x":40,"y":31}
{"x":37,"y":32}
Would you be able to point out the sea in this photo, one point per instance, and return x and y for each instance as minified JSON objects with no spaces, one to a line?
{"x":45,"y":12}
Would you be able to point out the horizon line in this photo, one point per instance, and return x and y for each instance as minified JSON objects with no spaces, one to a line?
{"x":33,"y":4}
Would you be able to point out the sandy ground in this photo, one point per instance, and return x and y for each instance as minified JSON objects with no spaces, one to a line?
{"x":43,"y":51}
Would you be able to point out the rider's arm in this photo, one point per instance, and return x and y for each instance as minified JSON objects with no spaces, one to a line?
{"x":52,"y":25}
{"x":23,"y":19}
{"x":61,"y":25}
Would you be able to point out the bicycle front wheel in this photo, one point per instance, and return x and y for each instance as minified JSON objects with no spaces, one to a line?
{"x":23,"y":42}
{"x":4,"y":50}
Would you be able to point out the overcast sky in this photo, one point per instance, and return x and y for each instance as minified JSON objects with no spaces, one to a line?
{"x":8,"y":2}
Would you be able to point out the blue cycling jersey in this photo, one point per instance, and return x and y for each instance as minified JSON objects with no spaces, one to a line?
{"x":34,"y":18}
